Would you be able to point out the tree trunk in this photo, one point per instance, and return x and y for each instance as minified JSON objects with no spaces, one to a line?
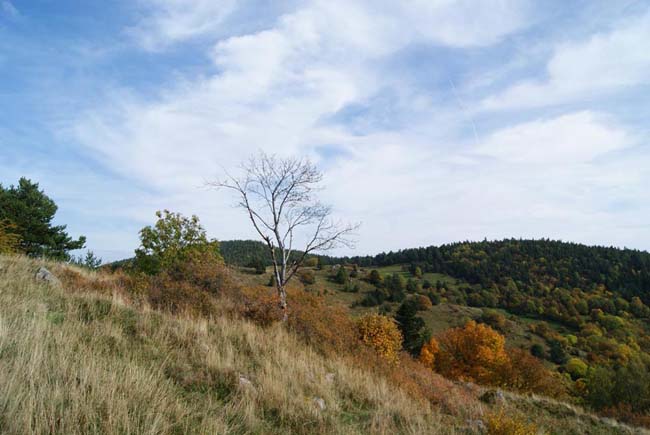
{"x":283,"y":302}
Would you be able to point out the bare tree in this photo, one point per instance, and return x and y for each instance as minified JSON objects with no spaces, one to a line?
{"x":279,"y":196}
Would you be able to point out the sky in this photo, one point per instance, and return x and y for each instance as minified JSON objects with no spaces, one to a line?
{"x":433,"y":121}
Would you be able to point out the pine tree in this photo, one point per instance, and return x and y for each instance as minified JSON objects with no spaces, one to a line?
{"x":32,"y":212}
{"x":411,"y":326}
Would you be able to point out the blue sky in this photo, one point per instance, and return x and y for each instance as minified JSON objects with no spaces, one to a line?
{"x":434,"y":121}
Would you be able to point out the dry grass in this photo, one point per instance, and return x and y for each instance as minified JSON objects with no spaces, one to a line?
{"x":73,"y":362}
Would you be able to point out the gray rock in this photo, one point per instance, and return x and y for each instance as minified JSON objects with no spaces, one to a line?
{"x":476,"y":426}
{"x":320,"y":403}
{"x":244,"y":382}
{"x":42,"y":274}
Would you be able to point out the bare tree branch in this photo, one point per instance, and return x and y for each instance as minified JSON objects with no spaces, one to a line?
{"x":279,"y":198}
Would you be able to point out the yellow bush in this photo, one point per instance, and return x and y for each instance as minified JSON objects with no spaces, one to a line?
{"x":501,"y":424}
{"x":382,"y":334}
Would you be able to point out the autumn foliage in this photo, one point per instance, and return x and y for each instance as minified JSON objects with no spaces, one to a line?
{"x":428,"y":353}
{"x":382,"y":334}
{"x":472,"y":353}
{"x":477,"y":353}
{"x":499,"y":423}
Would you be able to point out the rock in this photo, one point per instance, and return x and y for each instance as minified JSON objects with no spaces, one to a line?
{"x":320,"y":403}
{"x":476,"y":426}
{"x":45,"y":275}
{"x":492,"y":397}
{"x":245,"y":383}
{"x":329,"y":378}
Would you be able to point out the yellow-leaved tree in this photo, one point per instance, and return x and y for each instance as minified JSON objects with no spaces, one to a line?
{"x":382,"y":334}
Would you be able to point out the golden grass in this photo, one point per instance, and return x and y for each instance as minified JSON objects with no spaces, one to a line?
{"x":75,"y":363}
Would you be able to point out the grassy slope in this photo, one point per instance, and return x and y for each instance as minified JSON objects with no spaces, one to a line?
{"x":74,"y":361}
{"x":437,"y":319}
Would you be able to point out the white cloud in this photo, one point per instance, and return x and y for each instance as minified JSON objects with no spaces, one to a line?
{"x":374,"y":25}
{"x":170,"y":21}
{"x":570,"y":138}
{"x":600,"y":64}
{"x":416,"y":185}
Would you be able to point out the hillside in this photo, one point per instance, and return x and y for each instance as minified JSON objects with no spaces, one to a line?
{"x":92,"y":355}
{"x":581,"y":309}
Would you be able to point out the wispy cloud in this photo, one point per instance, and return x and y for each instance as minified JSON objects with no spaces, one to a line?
{"x":165,"y":22}
{"x":600,"y":64}
{"x":367,"y":89}
{"x":8,"y":9}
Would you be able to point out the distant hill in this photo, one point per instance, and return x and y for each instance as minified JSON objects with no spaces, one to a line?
{"x":244,"y":252}
{"x":529,"y":263}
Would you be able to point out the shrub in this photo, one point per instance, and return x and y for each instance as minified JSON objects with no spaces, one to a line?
{"x":474,"y":353}
{"x":341,"y":276}
{"x":558,"y":353}
{"x":375,"y":278}
{"x":523,"y":372}
{"x":537,"y":350}
{"x":373,"y":298}
{"x":89,"y":261}
{"x":495,"y":319}
{"x":577,"y":368}
{"x":429,"y":352}
{"x":258,"y":264}
{"x":307,"y":277}
{"x":423,"y":303}
{"x":173,"y":240}
{"x":381,"y":333}
{"x":327,"y":328}
{"x":9,"y":240}
{"x":501,"y":424}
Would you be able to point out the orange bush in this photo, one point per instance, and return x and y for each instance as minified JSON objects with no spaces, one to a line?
{"x":524,"y":372}
{"x":328,"y":328}
{"x":474,"y":353}
{"x":382,"y":334}
{"x":424,"y":303}
{"x":428,"y":353}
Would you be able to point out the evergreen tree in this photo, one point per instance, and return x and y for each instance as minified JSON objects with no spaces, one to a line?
{"x":396,"y":285}
{"x":32,"y":212}
{"x":375,"y":278}
{"x":411,"y":326}
{"x":341,"y":276}
{"x":412,"y":286}
{"x":258,"y":264}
